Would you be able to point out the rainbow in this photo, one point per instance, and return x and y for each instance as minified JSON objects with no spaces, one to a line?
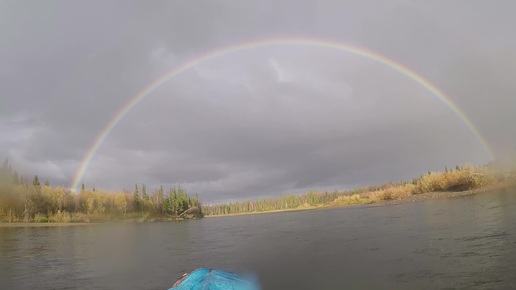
{"x":310,"y":42}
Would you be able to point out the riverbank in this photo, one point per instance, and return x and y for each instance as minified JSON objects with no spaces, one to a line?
{"x":41,"y":225}
{"x":507,"y":184}
{"x":270,"y":211}
{"x":504,"y":185}
{"x":192,"y":213}
{"x":145,"y":219}
{"x":56,"y":224}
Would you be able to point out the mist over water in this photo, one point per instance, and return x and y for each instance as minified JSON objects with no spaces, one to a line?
{"x":467,"y":242}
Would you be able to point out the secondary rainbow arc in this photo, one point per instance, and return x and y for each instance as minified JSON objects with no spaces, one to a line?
{"x":310,"y":42}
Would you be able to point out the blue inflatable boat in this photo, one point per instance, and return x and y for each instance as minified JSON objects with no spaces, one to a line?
{"x":207,"y":279}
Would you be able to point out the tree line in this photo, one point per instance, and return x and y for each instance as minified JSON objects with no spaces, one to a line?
{"x":462,"y":178}
{"x":22,"y":200}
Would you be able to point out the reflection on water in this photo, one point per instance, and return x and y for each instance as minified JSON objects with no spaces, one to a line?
{"x":467,"y":242}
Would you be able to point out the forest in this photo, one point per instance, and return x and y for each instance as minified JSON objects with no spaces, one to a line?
{"x":25,"y":200}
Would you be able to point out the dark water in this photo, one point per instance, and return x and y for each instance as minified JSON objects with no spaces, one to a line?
{"x":467,"y":242}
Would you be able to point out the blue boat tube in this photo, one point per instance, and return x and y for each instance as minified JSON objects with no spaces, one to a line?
{"x":207,"y":279}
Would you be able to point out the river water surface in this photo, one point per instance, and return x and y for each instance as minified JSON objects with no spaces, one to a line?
{"x":467,"y":242}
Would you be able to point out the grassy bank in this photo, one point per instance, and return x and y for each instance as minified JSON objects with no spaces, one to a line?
{"x":449,"y":183}
{"x":356,"y":200}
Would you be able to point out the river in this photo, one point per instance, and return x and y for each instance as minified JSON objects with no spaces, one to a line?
{"x":467,"y":242}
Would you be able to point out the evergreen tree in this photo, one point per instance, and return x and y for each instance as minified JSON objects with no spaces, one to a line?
{"x":136,"y":198}
{"x":183,"y":199}
{"x":159,"y":200}
{"x":47,"y":183}
{"x":35,"y":181}
{"x":172,"y":202}
{"x":195,"y":201}
{"x":145,"y":196}
{"x":83,"y":188}
{"x":177,"y":202}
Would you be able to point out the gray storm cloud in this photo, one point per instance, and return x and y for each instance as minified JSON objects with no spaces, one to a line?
{"x":260,"y":122}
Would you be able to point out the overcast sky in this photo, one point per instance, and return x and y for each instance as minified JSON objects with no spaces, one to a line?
{"x":261,"y":122}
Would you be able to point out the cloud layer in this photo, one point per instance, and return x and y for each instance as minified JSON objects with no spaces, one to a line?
{"x":258,"y":122}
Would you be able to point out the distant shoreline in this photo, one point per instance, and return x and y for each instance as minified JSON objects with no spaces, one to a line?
{"x":504,"y":185}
